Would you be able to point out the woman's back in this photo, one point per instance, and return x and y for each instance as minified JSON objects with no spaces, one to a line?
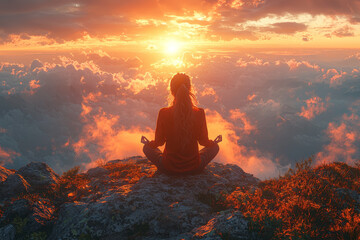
{"x":178,"y":158}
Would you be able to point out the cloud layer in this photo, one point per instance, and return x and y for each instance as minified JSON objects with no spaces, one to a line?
{"x":272,"y":110}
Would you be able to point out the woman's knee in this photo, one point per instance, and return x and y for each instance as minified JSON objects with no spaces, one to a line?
{"x":146,"y":150}
{"x":215,"y":148}
{"x":151,"y":153}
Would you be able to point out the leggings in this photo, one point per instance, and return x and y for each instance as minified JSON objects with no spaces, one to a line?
{"x":206,"y":155}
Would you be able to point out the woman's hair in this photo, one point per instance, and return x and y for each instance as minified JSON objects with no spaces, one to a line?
{"x":183,"y":103}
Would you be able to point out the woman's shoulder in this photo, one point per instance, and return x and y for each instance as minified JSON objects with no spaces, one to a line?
{"x":166,"y":109}
{"x":198,"y":109}
{"x":169,"y":109}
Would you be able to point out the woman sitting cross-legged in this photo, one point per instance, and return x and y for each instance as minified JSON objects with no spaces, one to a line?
{"x":181,"y":126}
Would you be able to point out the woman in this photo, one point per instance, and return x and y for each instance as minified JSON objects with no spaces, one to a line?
{"x":181,"y":126}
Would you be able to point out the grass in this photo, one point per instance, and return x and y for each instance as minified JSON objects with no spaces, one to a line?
{"x":131,"y":172}
{"x":304,"y":204}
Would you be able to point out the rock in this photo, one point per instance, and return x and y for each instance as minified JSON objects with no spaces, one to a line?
{"x":7,"y":232}
{"x":156,"y":206}
{"x":227,"y":225}
{"x":346,"y":193}
{"x":39,"y":175}
{"x":97,"y":172}
{"x":14,"y":185}
{"x":4,"y":173}
{"x":19,"y":208}
{"x":33,"y":215}
{"x":130,"y":160}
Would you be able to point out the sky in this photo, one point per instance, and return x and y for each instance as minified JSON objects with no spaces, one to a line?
{"x":81,"y":81}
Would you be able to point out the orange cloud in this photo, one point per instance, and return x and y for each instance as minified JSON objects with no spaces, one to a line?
{"x":314,"y":106}
{"x":103,"y":139}
{"x":251,"y":97}
{"x":251,"y":61}
{"x":231,"y":152}
{"x":34,"y":84}
{"x":209,"y":91}
{"x":293,"y":64}
{"x":342,"y":145}
{"x":335,"y":77}
{"x":235,"y":114}
{"x":286,"y":27}
{"x":7,"y":155}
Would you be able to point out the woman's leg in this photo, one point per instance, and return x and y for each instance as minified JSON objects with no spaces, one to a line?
{"x":154,"y":155}
{"x":207,"y":154}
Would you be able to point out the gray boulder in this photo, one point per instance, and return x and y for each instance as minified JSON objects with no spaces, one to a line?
{"x":348,"y":193}
{"x":39,"y":175}
{"x":34,"y":215}
{"x":14,"y":185}
{"x":7,"y":232}
{"x":227,"y":225}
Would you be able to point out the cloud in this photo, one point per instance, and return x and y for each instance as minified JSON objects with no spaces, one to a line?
{"x":220,"y":31}
{"x":113,"y":64}
{"x":209,"y":91}
{"x":247,"y":126}
{"x":103,"y":138}
{"x":231,"y":152}
{"x":334,"y":77}
{"x":68,"y":20}
{"x":7,"y":156}
{"x":345,"y":31}
{"x":257,"y":9}
{"x":60,"y":21}
{"x":286,"y":28}
{"x":342,"y":145}
{"x":314,"y":106}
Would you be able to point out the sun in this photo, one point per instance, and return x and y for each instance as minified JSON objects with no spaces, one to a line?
{"x":172,"y":47}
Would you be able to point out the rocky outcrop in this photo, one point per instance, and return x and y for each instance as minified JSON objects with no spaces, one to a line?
{"x":38,"y":175}
{"x":155,"y":207}
{"x":4,"y":173}
{"x":7,"y":232}
{"x":33,"y":176}
{"x":129,"y":199}
{"x":226,"y":225}
{"x":14,"y":185}
{"x":35,"y":215}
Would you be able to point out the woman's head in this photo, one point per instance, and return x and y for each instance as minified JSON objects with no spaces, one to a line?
{"x":177,"y":81}
{"x":180,"y":88}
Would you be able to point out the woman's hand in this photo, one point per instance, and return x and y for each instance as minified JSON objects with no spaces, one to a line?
{"x":218,"y":139}
{"x":144,"y":140}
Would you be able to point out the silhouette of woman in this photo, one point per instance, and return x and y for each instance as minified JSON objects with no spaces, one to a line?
{"x":181,"y":126}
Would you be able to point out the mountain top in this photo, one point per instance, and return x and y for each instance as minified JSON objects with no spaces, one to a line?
{"x":129,"y":199}
{"x":122,"y":199}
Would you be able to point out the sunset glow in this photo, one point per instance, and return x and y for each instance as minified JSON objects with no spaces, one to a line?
{"x":172,"y":47}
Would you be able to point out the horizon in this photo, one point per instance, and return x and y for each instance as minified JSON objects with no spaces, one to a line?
{"x":80,"y":82}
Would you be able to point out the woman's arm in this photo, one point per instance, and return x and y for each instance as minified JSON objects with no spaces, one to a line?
{"x":204,"y":138}
{"x":159,"y":132}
